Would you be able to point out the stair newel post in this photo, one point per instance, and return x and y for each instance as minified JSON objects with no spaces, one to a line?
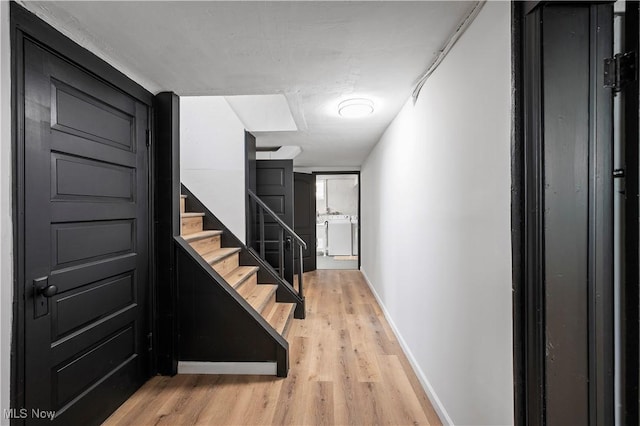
{"x":287,"y":243}
{"x":300,"y":271}
{"x":262,"y":238}
{"x":281,"y":252}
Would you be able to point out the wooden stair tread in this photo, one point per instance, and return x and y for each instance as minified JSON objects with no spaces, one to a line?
{"x":201,"y":235}
{"x":280,"y":317}
{"x":240,"y":275}
{"x":258,"y":296}
{"x":220,"y":254}
{"x":191,"y":214}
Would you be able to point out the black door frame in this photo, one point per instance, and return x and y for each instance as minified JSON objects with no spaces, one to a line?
{"x":25,"y":25}
{"x":629,"y":291}
{"x":527,"y":233}
{"x":351,"y":172}
{"x":520,"y":404}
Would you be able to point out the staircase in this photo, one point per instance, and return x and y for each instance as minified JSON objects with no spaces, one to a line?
{"x":242,"y":278}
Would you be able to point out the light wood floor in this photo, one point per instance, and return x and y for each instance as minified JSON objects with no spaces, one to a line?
{"x":346,"y":369}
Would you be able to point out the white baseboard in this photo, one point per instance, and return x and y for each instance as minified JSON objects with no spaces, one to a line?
{"x":431,"y":394}
{"x":244,"y":368}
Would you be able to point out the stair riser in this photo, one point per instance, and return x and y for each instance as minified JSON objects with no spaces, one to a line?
{"x":182,"y":205}
{"x":227,"y":264}
{"x":206,"y":245}
{"x":249,"y":283}
{"x":287,"y":326}
{"x":268,"y":307}
{"x":191,"y":225}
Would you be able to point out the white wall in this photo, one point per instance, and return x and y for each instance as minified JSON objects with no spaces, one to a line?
{"x":436,"y":226}
{"x":212,"y":158}
{"x":341,"y":194}
{"x":6,"y":236}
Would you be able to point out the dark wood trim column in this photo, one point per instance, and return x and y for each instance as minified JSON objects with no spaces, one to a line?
{"x":250,"y":182}
{"x":167,"y":225}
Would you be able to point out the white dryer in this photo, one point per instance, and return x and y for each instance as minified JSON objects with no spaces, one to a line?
{"x":339,"y":235}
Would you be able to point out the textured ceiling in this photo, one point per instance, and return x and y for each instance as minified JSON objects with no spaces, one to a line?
{"x":314,"y":53}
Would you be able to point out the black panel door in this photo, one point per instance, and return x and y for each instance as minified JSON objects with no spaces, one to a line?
{"x":304,"y":186}
{"x":86,"y":241}
{"x":566,"y":156}
{"x":274,"y":185}
{"x":630,"y":295}
{"x":568,"y":205}
{"x":578,"y":215}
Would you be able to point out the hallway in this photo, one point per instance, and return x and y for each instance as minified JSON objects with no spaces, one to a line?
{"x":346,"y":368}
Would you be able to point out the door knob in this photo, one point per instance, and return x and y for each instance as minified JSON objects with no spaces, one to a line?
{"x":48,"y":291}
{"x":43,"y":288}
{"x":42,"y":292}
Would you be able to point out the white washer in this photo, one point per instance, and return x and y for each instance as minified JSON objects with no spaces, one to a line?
{"x":339,"y":235}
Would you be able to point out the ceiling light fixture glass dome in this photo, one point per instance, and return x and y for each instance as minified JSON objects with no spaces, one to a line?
{"x":355,"y":108}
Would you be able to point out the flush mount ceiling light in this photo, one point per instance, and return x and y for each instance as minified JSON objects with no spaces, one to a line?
{"x":355,"y":108}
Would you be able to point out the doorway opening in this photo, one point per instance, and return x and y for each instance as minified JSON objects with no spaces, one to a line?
{"x":338,"y":220}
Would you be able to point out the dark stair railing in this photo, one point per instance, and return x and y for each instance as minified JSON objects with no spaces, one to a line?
{"x":283,"y":228}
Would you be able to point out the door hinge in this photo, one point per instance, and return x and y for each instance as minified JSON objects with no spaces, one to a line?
{"x":148,"y":136}
{"x":150,"y":342}
{"x":620,"y":70}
